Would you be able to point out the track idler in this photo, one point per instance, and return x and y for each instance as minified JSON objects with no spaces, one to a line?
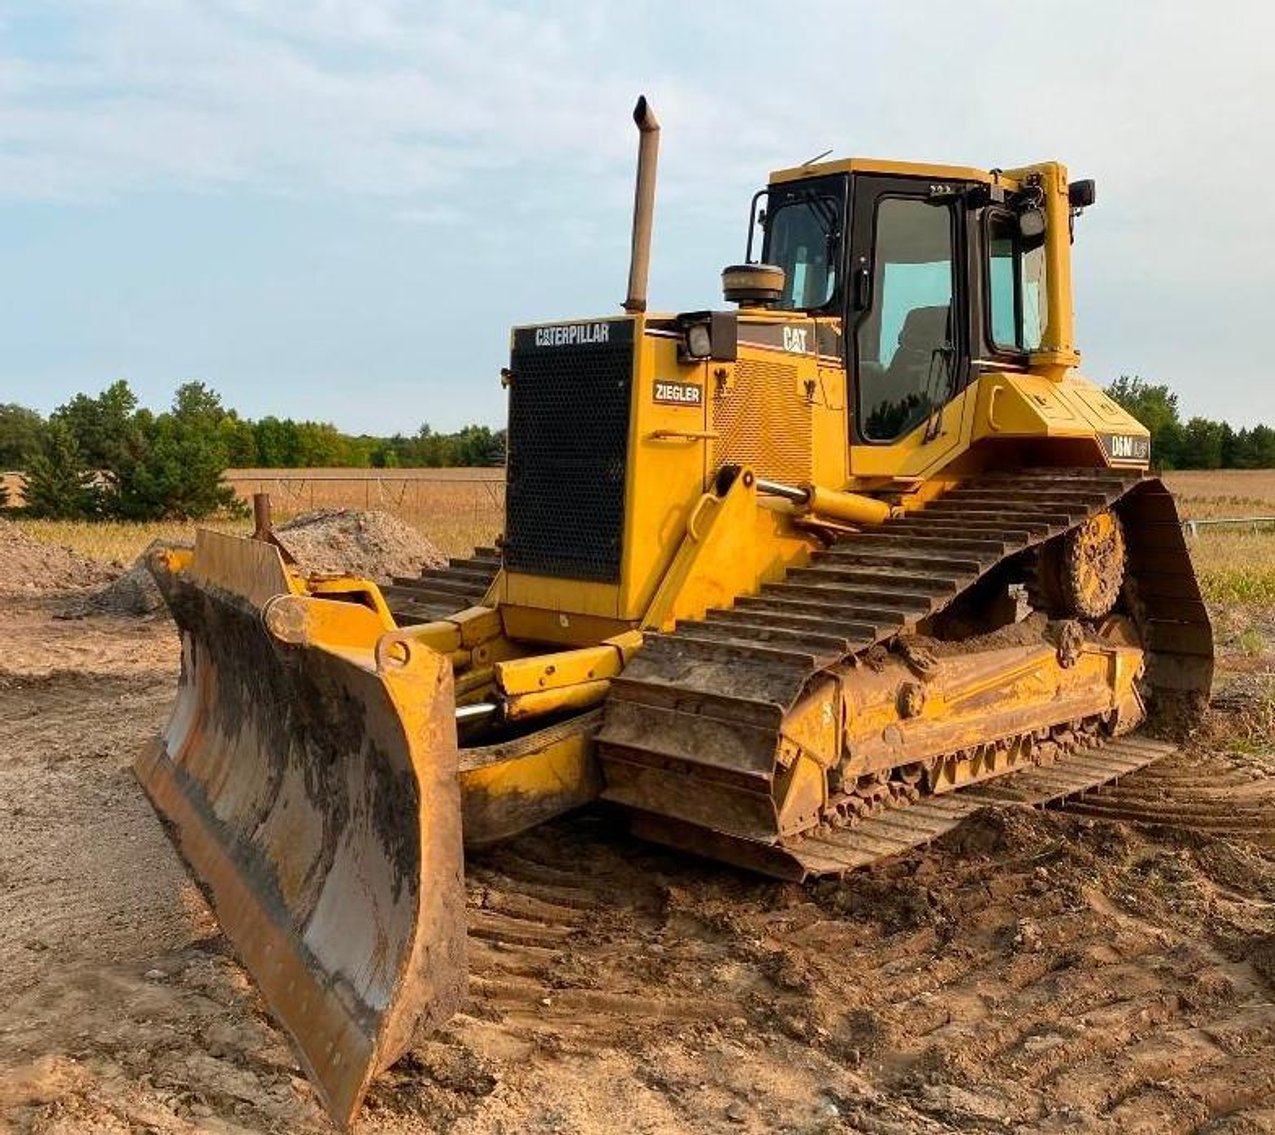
{"x":309,"y":779}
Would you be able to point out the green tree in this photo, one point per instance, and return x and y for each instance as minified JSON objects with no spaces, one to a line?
{"x":57,"y":485}
{"x":1156,"y":407}
{"x":1259,"y":448}
{"x":101,"y":426}
{"x":277,"y":442}
{"x":476,"y":445}
{"x":471,"y":445}
{"x":1202,"y":444}
{"x":359,"y":450}
{"x":173,"y":467}
{"x":240,"y":440}
{"x":1230,"y":447}
{"x":386,"y":453}
{"x":319,"y":445}
{"x":20,"y":433}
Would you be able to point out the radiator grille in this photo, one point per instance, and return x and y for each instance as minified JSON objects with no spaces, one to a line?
{"x":568,"y":442}
{"x":765,"y":422}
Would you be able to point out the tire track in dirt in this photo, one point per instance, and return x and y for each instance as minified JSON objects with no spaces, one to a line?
{"x":83,"y":866}
{"x":1004,"y":977}
{"x":1031,"y":971}
{"x":1210,"y":793}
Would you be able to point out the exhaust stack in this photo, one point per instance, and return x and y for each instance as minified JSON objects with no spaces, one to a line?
{"x":643,"y":204}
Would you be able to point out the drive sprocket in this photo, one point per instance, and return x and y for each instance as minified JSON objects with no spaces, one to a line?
{"x":1079,"y":574}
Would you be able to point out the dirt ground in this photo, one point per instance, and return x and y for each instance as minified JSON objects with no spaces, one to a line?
{"x":1047,"y":971}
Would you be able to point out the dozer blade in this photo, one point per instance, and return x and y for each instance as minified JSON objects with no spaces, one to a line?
{"x":309,"y":779}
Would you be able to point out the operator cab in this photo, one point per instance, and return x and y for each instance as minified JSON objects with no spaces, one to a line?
{"x":930,"y":273}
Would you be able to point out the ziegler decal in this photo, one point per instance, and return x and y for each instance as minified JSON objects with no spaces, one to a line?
{"x":1126,"y":447}
{"x":679,"y":394}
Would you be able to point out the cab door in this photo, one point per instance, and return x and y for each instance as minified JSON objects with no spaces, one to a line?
{"x":907,"y":350}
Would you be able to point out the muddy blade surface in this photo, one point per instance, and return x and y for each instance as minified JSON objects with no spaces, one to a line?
{"x":314,"y":798}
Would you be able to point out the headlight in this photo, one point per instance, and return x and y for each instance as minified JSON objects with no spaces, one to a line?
{"x":707,"y":335}
{"x":699,"y":341}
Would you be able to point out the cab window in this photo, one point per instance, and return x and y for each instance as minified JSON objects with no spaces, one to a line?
{"x":803,"y":237}
{"x":1016,"y":285}
{"x":906,"y":348}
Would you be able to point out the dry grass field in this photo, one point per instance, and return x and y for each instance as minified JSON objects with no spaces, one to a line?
{"x":461,"y":508}
{"x":118,"y":541}
{"x":457,"y":509}
{"x":1235,"y":564}
{"x":1224,"y":492}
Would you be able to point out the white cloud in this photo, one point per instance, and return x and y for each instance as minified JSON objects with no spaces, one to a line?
{"x":368,"y":97}
{"x":438,"y":112}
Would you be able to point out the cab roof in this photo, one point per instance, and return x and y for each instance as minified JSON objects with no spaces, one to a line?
{"x":884,"y":166}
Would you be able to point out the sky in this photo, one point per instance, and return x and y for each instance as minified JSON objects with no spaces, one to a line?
{"x":337,"y":209}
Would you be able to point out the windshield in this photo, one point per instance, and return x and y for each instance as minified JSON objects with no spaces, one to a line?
{"x":803,"y":237}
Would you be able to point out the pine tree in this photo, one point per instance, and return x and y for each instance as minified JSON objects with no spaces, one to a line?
{"x":57,"y":485}
{"x":172,"y":468}
{"x":19,"y":436}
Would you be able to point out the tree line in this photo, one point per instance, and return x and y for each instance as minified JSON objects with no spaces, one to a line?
{"x":1197,"y":443}
{"x":105,"y":456}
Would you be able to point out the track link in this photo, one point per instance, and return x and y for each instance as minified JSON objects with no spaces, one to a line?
{"x":439,"y":592}
{"x":708,"y":700}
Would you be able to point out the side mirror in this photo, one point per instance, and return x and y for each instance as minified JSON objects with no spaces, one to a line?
{"x":1082,"y":194}
{"x":1031,"y":224}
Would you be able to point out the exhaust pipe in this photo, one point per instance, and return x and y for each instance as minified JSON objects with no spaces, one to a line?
{"x":643,"y":204}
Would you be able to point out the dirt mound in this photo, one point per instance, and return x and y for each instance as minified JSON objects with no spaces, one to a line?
{"x":372,"y":544}
{"x":29,"y":567}
{"x":133,"y":593}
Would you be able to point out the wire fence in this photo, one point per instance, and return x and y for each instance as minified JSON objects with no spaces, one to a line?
{"x":1252,"y":523}
{"x":419,"y":496}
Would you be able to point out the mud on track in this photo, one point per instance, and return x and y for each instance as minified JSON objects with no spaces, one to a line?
{"x":1058,"y":971}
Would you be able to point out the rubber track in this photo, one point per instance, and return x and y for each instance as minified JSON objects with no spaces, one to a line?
{"x":439,"y":592}
{"x":708,"y":699}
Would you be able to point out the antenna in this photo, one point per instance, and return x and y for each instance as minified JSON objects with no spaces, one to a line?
{"x":811,"y":161}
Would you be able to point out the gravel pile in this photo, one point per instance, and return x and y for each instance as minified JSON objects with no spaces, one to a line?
{"x":133,"y":593}
{"x":372,"y":544}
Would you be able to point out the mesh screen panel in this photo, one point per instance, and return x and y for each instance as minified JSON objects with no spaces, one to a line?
{"x":765,"y":422}
{"x":568,"y":443}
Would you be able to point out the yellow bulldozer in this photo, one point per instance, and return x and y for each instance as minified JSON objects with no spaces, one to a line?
{"x":796,"y":583}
